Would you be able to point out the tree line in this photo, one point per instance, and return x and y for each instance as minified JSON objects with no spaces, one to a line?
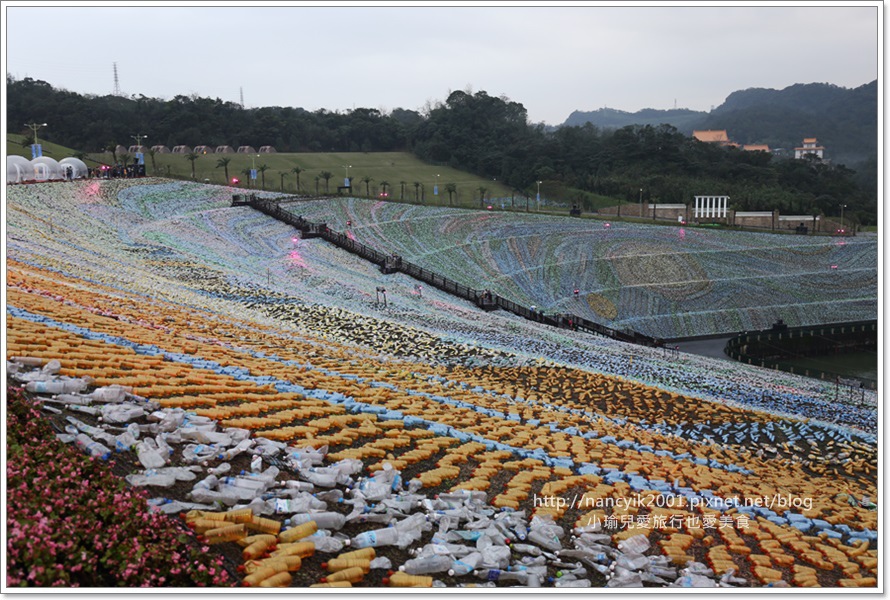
{"x":488,"y":136}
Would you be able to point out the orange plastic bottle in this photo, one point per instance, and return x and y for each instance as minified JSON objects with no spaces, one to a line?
{"x":259,"y":575}
{"x":282,"y":579}
{"x":299,"y":532}
{"x":257,"y":549}
{"x":369,"y":553}
{"x":229,"y":533}
{"x":340,"y":564}
{"x":264,"y":525}
{"x":301,"y":549}
{"x":352,"y":575}
{"x":399,"y":579}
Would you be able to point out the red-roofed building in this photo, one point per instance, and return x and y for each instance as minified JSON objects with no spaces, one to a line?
{"x":810,"y":147}
{"x":712,"y":136}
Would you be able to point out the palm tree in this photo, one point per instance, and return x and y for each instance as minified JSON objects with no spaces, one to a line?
{"x":282,"y":173}
{"x":246,"y":172}
{"x":367,"y":179}
{"x":154,"y":166}
{"x":192,"y":157}
{"x":404,"y":183}
{"x":224,"y":163}
{"x":416,"y":190}
{"x":326,"y":175}
{"x":317,"y":177}
{"x":451,"y":188}
{"x":125,"y":159}
{"x":482,"y":189}
{"x":262,"y":169}
{"x":296,"y":171}
{"x":384,"y":184}
{"x":112,"y":147}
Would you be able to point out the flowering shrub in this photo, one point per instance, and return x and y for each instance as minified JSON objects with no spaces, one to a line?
{"x":71,"y":522}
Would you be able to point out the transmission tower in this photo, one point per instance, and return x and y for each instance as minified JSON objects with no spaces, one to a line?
{"x":241,"y":89}
{"x":117,"y":84}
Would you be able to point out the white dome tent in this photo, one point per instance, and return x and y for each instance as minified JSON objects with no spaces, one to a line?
{"x":18,"y":169}
{"x":46,"y":168}
{"x":78,"y":167}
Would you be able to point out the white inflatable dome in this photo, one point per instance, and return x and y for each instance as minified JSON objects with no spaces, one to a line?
{"x":18,"y":169}
{"x":78,"y":167}
{"x":46,"y":168}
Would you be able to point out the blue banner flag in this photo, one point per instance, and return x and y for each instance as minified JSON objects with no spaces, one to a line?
{"x":140,"y":158}
{"x":253,"y":173}
{"x":435,"y":190}
{"x":36,"y":151}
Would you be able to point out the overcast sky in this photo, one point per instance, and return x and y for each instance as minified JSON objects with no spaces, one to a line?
{"x":551,"y":59}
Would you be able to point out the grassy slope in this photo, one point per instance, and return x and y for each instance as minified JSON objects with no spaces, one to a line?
{"x":393,"y":167}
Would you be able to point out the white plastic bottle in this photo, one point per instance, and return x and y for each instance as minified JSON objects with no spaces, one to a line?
{"x":376,"y":538}
{"x":148,"y":456}
{"x":435,"y":563}
{"x":91,"y":446}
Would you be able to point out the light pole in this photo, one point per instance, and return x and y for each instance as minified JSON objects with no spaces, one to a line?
{"x":641,"y":202}
{"x":34,"y":127}
{"x":347,"y":174}
{"x":139,"y":137}
{"x":436,"y":189}
{"x":843,"y":206}
{"x":538,"y":197}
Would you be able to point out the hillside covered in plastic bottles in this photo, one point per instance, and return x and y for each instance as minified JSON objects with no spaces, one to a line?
{"x":262,"y":392}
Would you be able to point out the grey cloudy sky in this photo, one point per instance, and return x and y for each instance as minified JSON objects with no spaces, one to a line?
{"x":551,"y":59}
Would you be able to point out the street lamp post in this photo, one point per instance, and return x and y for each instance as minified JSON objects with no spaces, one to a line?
{"x":538,"y":197}
{"x":34,"y":127}
{"x":347,"y":174}
{"x":436,"y":189}
{"x":139,"y":137}
{"x":641,"y":202}
{"x":843,"y":206}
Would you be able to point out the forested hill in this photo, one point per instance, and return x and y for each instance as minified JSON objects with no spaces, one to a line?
{"x":490,"y":137}
{"x":844,"y":120}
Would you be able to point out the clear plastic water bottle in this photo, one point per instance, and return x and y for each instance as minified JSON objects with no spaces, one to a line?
{"x":637,"y":544}
{"x":436,"y":563}
{"x":148,"y":456}
{"x":376,"y":538}
{"x":64,"y":386}
{"x":324,"y":520}
{"x":520,"y":577}
{"x":91,"y":446}
{"x":465,"y":565}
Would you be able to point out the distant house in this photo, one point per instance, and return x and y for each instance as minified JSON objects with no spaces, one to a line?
{"x":203,"y":150}
{"x":246,"y":150}
{"x":267,"y":150}
{"x":225,"y":150}
{"x":712,"y":136}
{"x":810,"y":147}
{"x":756,"y":148}
{"x":161,"y":149}
{"x":181,"y":149}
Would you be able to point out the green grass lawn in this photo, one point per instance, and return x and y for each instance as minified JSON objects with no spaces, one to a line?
{"x":391,"y":167}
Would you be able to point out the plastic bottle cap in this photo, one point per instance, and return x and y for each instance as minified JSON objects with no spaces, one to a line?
{"x":324,"y":565}
{"x":323,"y":580}
{"x":385,"y":581}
